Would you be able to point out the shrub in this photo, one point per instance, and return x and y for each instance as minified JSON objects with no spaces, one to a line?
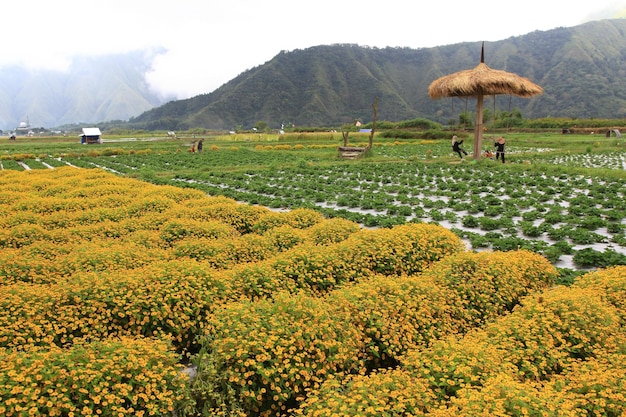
{"x":286,"y":237}
{"x":172,"y":298}
{"x":125,"y":377}
{"x":269,"y":221}
{"x":241,"y":216}
{"x":489,"y":284}
{"x":553,"y":330}
{"x":404,"y":249}
{"x":383,"y":393}
{"x":176,"y":230}
{"x":595,"y":387}
{"x":317,"y":269}
{"x":43,"y":262}
{"x":263,"y":356}
{"x":299,"y":218}
{"x":302,"y":218}
{"x":226,"y":253}
{"x":503,"y":395}
{"x":452,"y":364}
{"x":332,"y":231}
{"x":553,"y":337}
{"x":610,"y":283}
{"x":396,"y":314}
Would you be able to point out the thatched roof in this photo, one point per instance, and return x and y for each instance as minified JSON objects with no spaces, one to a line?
{"x":482,"y":81}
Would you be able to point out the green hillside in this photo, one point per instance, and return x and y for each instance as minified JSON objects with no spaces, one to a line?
{"x":580,"y":68}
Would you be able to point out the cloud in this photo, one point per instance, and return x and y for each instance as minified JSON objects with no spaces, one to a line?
{"x":207,"y":44}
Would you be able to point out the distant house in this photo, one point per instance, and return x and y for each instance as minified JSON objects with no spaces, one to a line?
{"x":90,"y":135}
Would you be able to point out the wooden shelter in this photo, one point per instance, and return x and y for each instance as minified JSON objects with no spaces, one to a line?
{"x":91,"y":135}
{"x":479,"y":82}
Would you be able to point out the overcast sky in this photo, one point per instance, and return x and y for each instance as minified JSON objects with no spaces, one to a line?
{"x":209,"y":42}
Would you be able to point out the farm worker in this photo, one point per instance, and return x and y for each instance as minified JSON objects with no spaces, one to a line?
{"x":499,"y":145}
{"x":193,"y":147}
{"x":456,"y":146}
{"x":200,"y":145}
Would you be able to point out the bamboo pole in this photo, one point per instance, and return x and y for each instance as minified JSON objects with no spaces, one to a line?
{"x":478,"y":132}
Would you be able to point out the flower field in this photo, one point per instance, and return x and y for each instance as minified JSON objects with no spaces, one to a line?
{"x":111,"y":287}
{"x":553,"y":198}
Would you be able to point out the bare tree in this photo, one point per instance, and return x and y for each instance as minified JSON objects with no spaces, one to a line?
{"x":375,"y":108}
{"x":344,"y":134}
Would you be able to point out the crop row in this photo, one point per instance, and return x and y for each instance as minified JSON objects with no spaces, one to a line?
{"x":556,"y":211}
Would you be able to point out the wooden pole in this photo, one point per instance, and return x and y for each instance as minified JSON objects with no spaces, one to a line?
{"x":478,"y":133}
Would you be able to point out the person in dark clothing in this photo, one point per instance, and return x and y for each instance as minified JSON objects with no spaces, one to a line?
{"x":456,"y":147}
{"x":200,"y":145}
{"x":499,"y":145}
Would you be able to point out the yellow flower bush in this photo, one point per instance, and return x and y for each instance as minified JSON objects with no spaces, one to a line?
{"x":332,"y":231}
{"x":113,"y":377}
{"x":237,"y":250}
{"x":172,"y":298}
{"x":300,"y":218}
{"x":269,"y":221}
{"x":555,"y":337}
{"x":590,"y":388}
{"x":227,"y":253}
{"x":396,"y":314}
{"x":555,"y":329}
{"x":258,"y":280}
{"x":504,"y":395}
{"x":286,"y":237}
{"x":384,"y":393}
{"x":490,"y":283}
{"x":610,"y":283}
{"x":559,"y":353}
{"x":594,"y":387}
{"x":240,"y":216}
{"x":402,"y":250}
{"x":174,"y":231}
{"x":316,"y":269}
{"x":263,"y":356}
{"x":42,"y":262}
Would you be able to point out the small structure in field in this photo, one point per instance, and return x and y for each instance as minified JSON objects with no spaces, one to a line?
{"x":353,"y":152}
{"x":90,"y":135}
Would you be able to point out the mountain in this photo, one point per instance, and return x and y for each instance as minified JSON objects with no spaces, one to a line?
{"x":93,"y":89}
{"x":581,"y":70}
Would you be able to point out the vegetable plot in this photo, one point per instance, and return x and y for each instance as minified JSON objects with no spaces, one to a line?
{"x":568,"y":207}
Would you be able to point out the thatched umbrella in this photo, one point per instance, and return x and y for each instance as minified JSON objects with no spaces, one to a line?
{"x":479,"y":82}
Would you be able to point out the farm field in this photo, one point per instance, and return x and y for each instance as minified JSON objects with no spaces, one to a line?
{"x":129,"y":286}
{"x":559,"y":195}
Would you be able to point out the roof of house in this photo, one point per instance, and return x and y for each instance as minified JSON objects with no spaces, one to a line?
{"x":91,"y":131}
